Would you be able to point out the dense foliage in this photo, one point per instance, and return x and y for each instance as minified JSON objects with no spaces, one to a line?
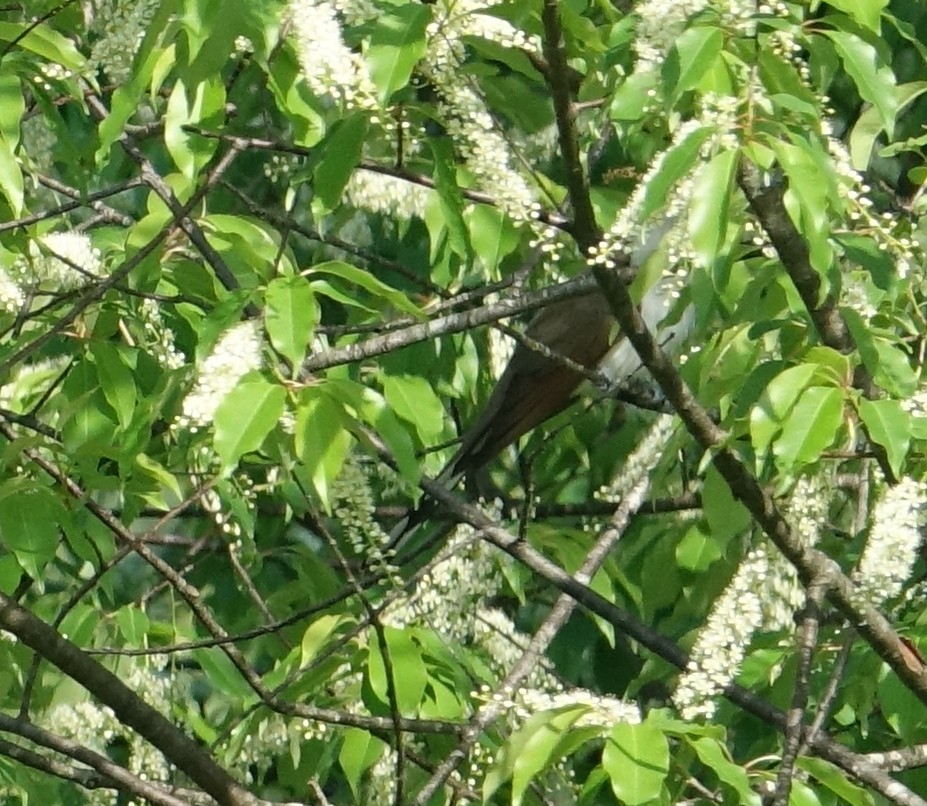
{"x":262,"y":263}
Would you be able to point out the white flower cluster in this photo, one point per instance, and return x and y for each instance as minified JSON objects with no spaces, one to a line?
{"x":120,"y":26}
{"x":96,"y":727}
{"x":52,"y":72}
{"x":468,"y":121}
{"x":764,"y":594}
{"x":916,"y":405}
{"x":855,"y":295}
{"x":381,"y":786}
{"x":387,"y":195}
{"x":641,"y":462}
{"x":329,"y":66}
{"x":272,"y":737}
{"x":356,"y":12}
{"x":11,"y":296}
{"x":625,"y":233}
{"x":661,"y":22}
{"x":237,"y":353}
{"x":601,"y":711}
{"x":29,"y":382}
{"x":158,"y":337}
{"x":806,"y":512}
{"x":40,"y":142}
{"x":723,"y":642}
{"x":354,"y":508}
{"x":59,"y":261}
{"x":446,"y":599}
{"x":894,"y":540}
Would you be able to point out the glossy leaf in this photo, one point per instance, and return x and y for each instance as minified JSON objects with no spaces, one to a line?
{"x":245,"y":417}
{"x":888,"y":424}
{"x":636,"y":758}
{"x":341,"y":153}
{"x":874,"y":80}
{"x":708,"y":216}
{"x":396,"y":43}
{"x":291,"y":313}
{"x":811,"y":426}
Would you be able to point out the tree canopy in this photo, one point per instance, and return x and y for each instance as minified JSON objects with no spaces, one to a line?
{"x":263,"y":263}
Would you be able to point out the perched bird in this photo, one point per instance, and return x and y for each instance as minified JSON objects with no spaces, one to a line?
{"x":534,"y":387}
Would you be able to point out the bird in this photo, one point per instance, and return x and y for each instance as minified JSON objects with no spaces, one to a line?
{"x":536,"y":386}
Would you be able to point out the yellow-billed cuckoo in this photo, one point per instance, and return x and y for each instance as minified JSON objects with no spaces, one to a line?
{"x":534,"y":387}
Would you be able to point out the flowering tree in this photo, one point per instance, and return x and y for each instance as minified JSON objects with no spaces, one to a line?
{"x":262,"y":264}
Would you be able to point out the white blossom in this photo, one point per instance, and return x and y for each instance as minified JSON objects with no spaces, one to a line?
{"x":329,"y":66}
{"x":120,"y":26}
{"x":11,"y":296}
{"x":603,"y":711}
{"x":237,"y":353}
{"x":96,"y":727}
{"x":764,"y":594}
{"x":159,"y":338}
{"x":468,"y":121}
{"x":642,"y":460}
{"x":387,"y":195}
{"x":59,"y":261}
{"x":723,"y":642}
{"x":894,"y":540}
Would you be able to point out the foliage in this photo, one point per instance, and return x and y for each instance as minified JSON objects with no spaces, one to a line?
{"x":250,"y":252}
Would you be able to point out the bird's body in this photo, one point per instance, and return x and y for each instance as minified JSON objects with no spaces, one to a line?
{"x":534,"y":387}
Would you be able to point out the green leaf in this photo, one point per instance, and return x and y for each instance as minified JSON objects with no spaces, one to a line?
{"x":711,"y":753}
{"x":693,"y":53}
{"x":223,"y":675}
{"x":359,"y":752}
{"x":632,"y":98}
{"x":867,"y":13}
{"x":889,"y":425}
{"x":865,"y":251}
{"x":774,"y":404}
{"x":835,"y":780}
{"x":291,"y":312}
{"x":191,"y":152}
{"x":245,"y":417}
{"x":45,"y":42}
{"x":368,"y":282}
{"x":727,"y":517}
{"x":874,"y":80}
{"x":396,"y":44}
{"x":323,"y":439}
{"x":30,"y":518}
{"x":888,"y":364}
{"x":636,"y":758}
{"x":12,"y":107}
{"x":492,"y":236}
{"x":697,"y":550}
{"x":449,"y":197}
{"x":11,"y":177}
{"x":534,"y":747}
{"x":117,"y":381}
{"x":709,"y":211}
{"x":807,"y":199}
{"x":679,"y":160}
{"x":317,"y":635}
{"x":811,"y":427}
{"x":134,"y":624}
{"x":410,"y":677}
{"x":342,"y":152}
{"x":414,"y":400}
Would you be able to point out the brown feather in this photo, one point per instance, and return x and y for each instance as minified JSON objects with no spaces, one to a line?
{"x":534,"y":387}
